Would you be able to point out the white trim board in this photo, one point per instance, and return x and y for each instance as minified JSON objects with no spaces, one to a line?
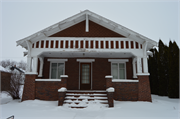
{"x":58,"y":60}
{"x":47,"y":79}
{"x":85,"y":60}
{"x":118,"y":60}
{"x":124,"y":80}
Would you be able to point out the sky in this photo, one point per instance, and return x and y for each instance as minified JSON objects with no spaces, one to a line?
{"x":155,"y":19}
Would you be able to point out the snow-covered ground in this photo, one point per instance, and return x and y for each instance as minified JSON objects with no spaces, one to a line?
{"x":160,"y":108}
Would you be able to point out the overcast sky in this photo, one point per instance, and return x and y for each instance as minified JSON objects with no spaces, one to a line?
{"x":19,"y":19}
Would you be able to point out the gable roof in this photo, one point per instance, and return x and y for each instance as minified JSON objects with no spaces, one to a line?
{"x":81,"y":17}
{"x":94,"y":30}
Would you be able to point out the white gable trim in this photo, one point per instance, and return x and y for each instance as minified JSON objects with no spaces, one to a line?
{"x":80,"y":17}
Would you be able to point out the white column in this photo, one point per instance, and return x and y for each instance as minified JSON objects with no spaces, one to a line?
{"x":35,"y":64}
{"x":145,"y":65}
{"x":29,"y":64}
{"x":139,"y":65}
{"x":41,"y":66}
{"x":134,"y":68}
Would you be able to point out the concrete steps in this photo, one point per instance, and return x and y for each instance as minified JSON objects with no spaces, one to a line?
{"x":84,"y":98}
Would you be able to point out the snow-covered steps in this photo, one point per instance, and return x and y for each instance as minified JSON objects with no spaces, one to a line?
{"x":85,"y":98}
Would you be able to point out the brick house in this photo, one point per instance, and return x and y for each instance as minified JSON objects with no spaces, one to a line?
{"x":87,"y":52}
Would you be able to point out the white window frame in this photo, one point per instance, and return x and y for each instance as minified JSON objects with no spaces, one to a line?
{"x":119,"y":61}
{"x":56,"y":61}
{"x":118,"y":68}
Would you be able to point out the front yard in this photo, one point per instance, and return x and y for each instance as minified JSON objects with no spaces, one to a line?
{"x":160,"y":108}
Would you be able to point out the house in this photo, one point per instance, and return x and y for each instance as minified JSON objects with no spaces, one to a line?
{"x":87,"y":52}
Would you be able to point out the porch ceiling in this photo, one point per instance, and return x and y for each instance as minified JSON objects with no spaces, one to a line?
{"x":88,"y":54}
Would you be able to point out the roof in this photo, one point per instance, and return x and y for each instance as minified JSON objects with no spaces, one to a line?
{"x":81,"y":17}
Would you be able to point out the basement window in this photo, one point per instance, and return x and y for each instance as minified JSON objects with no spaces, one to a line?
{"x":56,"y":70}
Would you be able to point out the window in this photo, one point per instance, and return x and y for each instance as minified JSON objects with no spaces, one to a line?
{"x":57,"y":69}
{"x":118,"y":70}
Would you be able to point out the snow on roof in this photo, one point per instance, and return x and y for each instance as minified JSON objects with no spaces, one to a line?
{"x":5,"y":69}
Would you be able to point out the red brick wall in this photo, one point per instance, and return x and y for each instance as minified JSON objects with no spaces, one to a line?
{"x":100,"y":68}
{"x":126,"y":91}
{"x":78,"y":30}
{"x":29,"y":87}
{"x":47,"y":90}
{"x":46,"y":69}
{"x":5,"y":80}
{"x":144,"y":89}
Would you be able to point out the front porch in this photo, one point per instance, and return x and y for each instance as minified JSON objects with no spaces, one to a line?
{"x":86,"y":66}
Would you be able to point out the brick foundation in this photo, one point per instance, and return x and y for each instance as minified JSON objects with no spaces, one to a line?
{"x":144,"y":89}
{"x":29,"y":87}
{"x":47,"y":90}
{"x":126,"y":91}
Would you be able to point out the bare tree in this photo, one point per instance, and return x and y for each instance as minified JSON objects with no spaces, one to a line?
{"x":15,"y":85}
{"x":22,"y":65}
{"x":17,"y":77}
{"x":5,"y":63}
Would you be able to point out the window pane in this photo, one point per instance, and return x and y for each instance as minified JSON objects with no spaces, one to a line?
{"x":85,"y":74}
{"x":53,"y":70}
{"x":121,"y":65}
{"x":115,"y":70}
{"x":122,"y":73}
{"x":60,"y":69}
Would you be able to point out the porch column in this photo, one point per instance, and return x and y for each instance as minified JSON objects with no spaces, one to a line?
{"x":41,"y":66}
{"x":145,"y":65}
{"x":35,"y":64}
{"x":134,"y":67}
{"x":139,"y":65}
{"x":29,"y":64}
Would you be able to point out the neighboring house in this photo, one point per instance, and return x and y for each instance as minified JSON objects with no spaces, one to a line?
{"x":93,"y":53}
{"x":6,"y":74}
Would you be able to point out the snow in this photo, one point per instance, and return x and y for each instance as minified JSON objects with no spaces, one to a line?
{"x":86,"y":94}
{"x":108,"y":76}
{"x":5,"y":69}
{"x":64,"y":76}
{"x":110,"y":89}
{"x":63,"y":89}
{"x":85,"y":97}
{"x":160,"y":108}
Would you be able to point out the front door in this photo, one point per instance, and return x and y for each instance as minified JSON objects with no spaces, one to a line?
{"x":85,"y":76}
